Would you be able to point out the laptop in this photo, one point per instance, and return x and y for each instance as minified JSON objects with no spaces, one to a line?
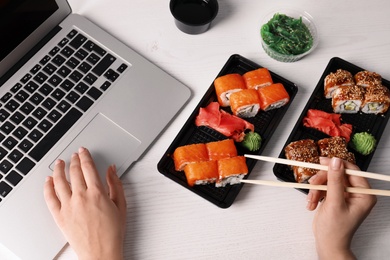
{"x":66,"y":83}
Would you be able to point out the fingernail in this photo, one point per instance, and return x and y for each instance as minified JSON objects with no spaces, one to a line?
{"x":335,"y":163}
{"x":47,"y":178}
{"x":309,"y":197}
{"x":58,"y":161}
{"x":74,"y":154}
{"x":81,"y":149}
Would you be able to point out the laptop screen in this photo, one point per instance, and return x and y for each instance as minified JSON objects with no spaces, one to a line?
{"x":19,"y":18}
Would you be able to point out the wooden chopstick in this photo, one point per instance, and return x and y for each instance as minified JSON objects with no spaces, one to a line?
{"x":369,"y":175}
{"x":316,"y":187}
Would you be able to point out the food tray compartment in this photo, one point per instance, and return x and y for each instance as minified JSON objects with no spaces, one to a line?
{"x":374,"y":124}
{"x":265,"y":124}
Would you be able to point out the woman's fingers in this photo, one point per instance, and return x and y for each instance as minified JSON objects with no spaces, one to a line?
{"x":61,"y":185}
{"x":90,"y":173}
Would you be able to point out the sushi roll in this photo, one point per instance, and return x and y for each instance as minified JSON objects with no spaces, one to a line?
{"x":258,"y":78}
{"x":187,"y":154}
{"x":376,"y":100}
{"x":367,"y":79}
{"x":221,"y":149}
{"x":335,"y":147}
{"x":305,"y":150}
{"x":201,"y":173}
{"x":273,"y":96}
{"x":245,"y":103}
{"x":337,"y":79}
{"x":347,"y":99}
{"x":231,"y":171}
{"x":226,"y":85}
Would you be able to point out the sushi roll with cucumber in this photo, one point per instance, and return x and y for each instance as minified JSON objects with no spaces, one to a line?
{"x":376,"y":100}
{"x":337,"y":79}
{"x":347,"y":99}
{"x":226,"y":85}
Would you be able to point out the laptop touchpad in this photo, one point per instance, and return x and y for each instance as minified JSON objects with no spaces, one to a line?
{"x":106,"y":141}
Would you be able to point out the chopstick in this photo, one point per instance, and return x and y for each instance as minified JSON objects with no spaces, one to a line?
{"x":317,"y":187}
{"x":369,"y":175}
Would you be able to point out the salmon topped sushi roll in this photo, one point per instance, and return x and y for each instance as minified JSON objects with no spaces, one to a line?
{"x":187,"y":154}
{"x":258,"y":78}
{"x":221,"y":149}
{"x":347,"y":99}
{"x":226,"y":85}
{"x":337,"y":79}
{"x":273,"y":96}
{"x":201,"y":173}
{"x":245,"y":103}
{"x":376,"y":100}
{"x":368,"y":79}
{"x":231,"y":171}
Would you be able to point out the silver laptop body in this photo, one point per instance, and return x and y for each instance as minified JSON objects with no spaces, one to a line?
{"x":117,"y":128}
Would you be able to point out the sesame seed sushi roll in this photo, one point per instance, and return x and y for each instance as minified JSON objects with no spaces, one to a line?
{"x":187,"y":154}
{"x":337,"y":79}
{"x":231,"y":171}
{"x":305,"y":150}
{"x":376,"y":100}
{"x":367,"y":79}
{"x":347,"y":99}
{"x":335,"y":147}
{"x":258,"y":78}
{"x":245,"y":103}
{"x":273,"y":96}
{"x":201,"y":173}
{"x":221,"y":149}
{"x":226,"y":85}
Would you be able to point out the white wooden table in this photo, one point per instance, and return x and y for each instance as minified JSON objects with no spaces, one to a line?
{"x":166,"y":221}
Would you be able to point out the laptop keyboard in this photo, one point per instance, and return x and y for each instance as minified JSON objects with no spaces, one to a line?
{"x":48,"y":101}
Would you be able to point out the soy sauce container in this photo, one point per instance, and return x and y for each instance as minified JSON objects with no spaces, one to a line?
{"x":193,"y":16}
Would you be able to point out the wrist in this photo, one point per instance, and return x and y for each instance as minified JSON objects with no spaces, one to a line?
{"x":335,"y":254}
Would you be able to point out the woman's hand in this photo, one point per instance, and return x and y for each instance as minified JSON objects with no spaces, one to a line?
{"x":341,"y":213}
{"x":91,"y":218}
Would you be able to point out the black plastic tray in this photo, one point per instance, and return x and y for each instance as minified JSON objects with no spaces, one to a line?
{"x":374,"y":124}
{"x":265,"y":124}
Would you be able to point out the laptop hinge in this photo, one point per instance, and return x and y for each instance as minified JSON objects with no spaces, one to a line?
{"x":29,"y":55}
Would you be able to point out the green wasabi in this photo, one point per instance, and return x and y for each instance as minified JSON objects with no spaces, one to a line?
{"x":364,"y":143}
{"x":252,"y":141}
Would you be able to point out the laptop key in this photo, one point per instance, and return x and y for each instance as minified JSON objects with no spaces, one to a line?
{"x":35,"y":69}
{"x":103,"y":65}
{"x":14,"y":178}
{"x":81,"y":54}
{"x":4,"y":189}
{"x":26,"y":78}
{"x":15,"y":156}
{"x":44,"y":60}
{"x":17,"y":117}
{"x":5,"y":166}
{"x":55,"y":134}
{"x":25,"y":166}
{"x":72,"y":34}
{"x":78,"y":41}
{"x":16,"y":87}
{"x":3,"y":115}
{"x":20,"y":133}
{"x":25,"y":145}
{"x":89,"y":45}
{"x":3,"y":153}
{"x":84,"y":103}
